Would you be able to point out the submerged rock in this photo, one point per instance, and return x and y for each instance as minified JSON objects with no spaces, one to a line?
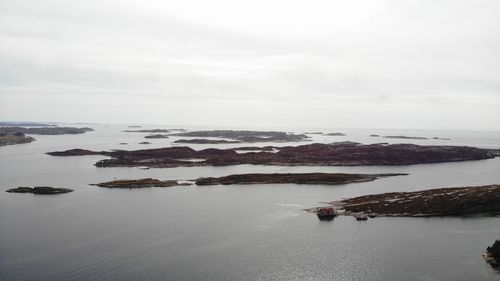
{"x":39,"y":190}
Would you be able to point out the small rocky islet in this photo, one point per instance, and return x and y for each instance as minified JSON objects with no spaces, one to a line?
{"x":140,"y":183}
{"x":39,"y":190}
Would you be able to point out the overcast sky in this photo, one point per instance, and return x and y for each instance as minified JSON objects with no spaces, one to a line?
{"x":386,"y":64}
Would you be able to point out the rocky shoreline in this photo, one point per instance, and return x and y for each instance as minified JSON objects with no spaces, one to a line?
{"x":456,"y":201}
{"x":317,"y":154}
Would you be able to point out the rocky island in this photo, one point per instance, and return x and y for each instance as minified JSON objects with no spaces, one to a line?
{"x":16,"y":138}
{"x":336,"y":154}
{"x":39,"y":190}
{"x":247,"y":136}
{"x":454,"y":201}
{"x":295,"y":178}
{"x":140,"y":183}
{"x":45,"y":130}
{"x":276,"y":178}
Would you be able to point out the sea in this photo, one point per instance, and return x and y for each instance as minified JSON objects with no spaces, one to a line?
{"x":237,"y":232}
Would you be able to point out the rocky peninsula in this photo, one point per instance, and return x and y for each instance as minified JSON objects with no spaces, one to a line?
{"x":295,"y":178}
{"x":140,"y":183}
{"x":336,"y":154}
{"x":454,"y":201}
{"x":39,"y":190}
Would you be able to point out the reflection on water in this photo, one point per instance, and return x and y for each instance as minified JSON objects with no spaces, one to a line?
{"x":256,"y":232}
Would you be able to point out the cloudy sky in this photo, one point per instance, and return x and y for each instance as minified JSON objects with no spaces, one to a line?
{"x":388,"y":64}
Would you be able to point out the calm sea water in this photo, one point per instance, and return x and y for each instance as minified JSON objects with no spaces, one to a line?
{"x":257,"y":232}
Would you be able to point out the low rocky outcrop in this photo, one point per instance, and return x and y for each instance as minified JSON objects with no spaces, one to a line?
{"x":313,"y":133}
{"x":16,"y":138}
{"x":148,"y":131}
{"x":296,"y":178}
{"x":45,"y":130}
{"x":206,"y":141}
{"x":336,"y":154}
{"x":326,"y":213}
{"x":455,"y":201}
{"x":405,"y":137}
{"x":157,"y":136}
{"x":78,"y":152}
{"x":335,"y":134}
{"x":140,"y":183}
{"x":492,"y":255}
{"x":40,"y":190}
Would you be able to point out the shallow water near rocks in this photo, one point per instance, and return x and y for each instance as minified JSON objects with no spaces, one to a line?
{"x":240,"y":232}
